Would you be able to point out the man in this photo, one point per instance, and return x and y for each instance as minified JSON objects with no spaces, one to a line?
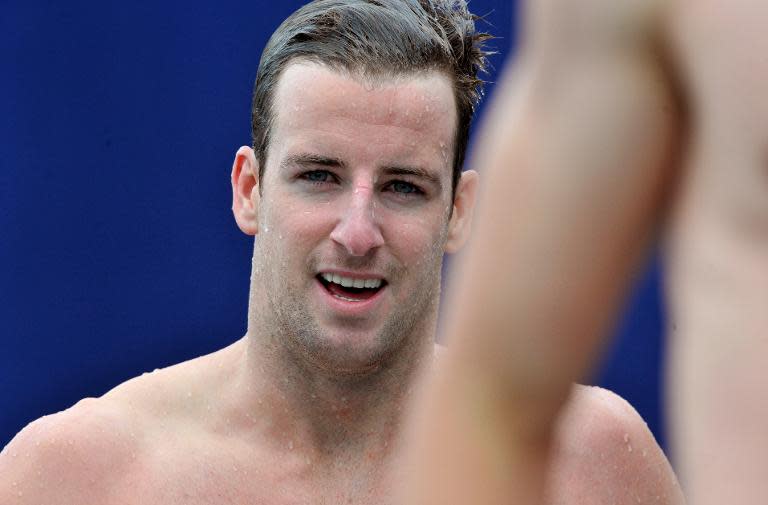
{"x":610,"y":108}
{"x":353,"y":188}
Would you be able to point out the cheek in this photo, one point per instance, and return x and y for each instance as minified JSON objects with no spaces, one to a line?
{"x":420,"y":241}
{"x":293,"y":228}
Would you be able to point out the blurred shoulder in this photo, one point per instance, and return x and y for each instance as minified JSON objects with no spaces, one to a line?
{"x":591,"y":27}
{"x":68,"y":456}
{"x":605,"y":453}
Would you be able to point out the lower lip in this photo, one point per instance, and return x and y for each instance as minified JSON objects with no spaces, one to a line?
{"x":349,"y":308}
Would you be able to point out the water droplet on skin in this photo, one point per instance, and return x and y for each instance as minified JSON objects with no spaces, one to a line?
{"x":626,"y":438}
{"x":290,"y":445}
{"x":629,"y":448}
{"x":645,"y":453}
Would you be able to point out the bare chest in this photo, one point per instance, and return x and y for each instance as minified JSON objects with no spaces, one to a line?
{"x":225,"y":476}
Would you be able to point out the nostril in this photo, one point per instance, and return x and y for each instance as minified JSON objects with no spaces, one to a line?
{"x":358,"y":235}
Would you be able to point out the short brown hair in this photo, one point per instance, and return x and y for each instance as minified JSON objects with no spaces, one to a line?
{"x":377,"y":38}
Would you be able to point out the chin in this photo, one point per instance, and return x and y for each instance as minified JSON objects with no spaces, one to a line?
{"x":349,"y":355}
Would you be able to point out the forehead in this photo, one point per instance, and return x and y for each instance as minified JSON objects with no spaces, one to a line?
{"x":314,"y":99}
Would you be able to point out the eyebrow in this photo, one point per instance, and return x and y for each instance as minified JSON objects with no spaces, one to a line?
{"x":310,"y":159}
{"x":414,"y":172}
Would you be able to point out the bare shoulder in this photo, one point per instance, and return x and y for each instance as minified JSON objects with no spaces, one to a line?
{"x":100,"y":445}
{"x":67,"y":457}
{"x":605,"y":453}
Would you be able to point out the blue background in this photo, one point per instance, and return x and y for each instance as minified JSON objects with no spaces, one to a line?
{"x":118,"y":252}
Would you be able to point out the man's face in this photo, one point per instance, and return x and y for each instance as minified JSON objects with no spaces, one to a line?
{"x":354,"y":213}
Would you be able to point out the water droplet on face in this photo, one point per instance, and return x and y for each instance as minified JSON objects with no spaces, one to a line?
{"x":629,"y":448}
{"x":626,"y":438}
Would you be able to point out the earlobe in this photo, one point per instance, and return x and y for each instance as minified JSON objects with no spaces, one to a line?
{"x":463,"y":208}
{"x":245,"y":193}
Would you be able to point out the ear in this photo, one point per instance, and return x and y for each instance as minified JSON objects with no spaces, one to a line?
{"x":463,"y":207}
{"x":245,"y":190}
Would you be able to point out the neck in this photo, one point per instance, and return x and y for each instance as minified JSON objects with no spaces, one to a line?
{"x":328,"y":415}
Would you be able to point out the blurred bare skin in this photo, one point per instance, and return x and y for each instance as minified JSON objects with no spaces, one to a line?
{"x":308,"y":407}
{"x":617,"y":119}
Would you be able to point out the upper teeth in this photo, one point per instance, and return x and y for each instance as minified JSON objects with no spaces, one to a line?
{"x":351,"y":283}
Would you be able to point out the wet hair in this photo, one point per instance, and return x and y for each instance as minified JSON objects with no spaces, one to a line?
{"x":376,"y":39}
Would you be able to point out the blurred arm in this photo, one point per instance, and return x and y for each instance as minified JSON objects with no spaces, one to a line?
{"x":575,"y":158}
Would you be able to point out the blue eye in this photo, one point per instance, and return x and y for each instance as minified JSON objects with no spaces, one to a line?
{"x":317,"y":176}
{"x":405,"y":188}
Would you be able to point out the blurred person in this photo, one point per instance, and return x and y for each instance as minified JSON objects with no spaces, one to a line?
{"x":615,"y":121}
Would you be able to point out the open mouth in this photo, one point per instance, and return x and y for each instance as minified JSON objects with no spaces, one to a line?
{"x":349,"y":289}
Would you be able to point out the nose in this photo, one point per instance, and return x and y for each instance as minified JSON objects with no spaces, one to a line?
{"x":358,"y":230}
